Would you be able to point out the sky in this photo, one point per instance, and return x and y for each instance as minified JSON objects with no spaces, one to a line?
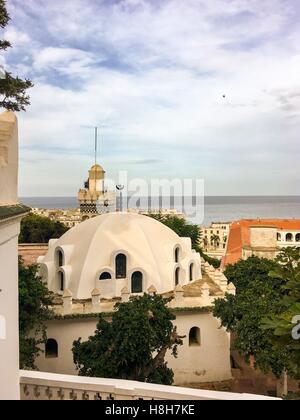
{"x":180,"y":89}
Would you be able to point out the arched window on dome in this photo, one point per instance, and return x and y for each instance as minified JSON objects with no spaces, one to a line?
{"x":59,"y":258}
{"x":194,"y":337}
{"x":298,"y":237}
{"x":137,"y":282}
{"x":278,"y":236}
{"x":121,"y":266}
{"x":177,"y":254}
{"x":177,"y":276}
{"x":51,"y":349}
{"x":105,"y":276}
{"x":61,"y":281}
{"x":289,"y":237}
{"x":192,"y":266}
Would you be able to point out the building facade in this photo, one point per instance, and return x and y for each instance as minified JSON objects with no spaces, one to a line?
{"x":214,"y":239}
{"x":262,"y":238}
{"x":112,"y":257}
{"x":11,"y":213}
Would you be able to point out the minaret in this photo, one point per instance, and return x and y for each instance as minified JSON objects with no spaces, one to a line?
{"x":94,"y":189}
{"x":93,"y":198}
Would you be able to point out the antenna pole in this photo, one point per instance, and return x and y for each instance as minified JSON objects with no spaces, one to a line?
{"x":96,"y":144}
{"x":96,"y":150}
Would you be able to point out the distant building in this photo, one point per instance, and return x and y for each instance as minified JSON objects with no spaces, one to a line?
{"x":94,"y":199}
{"x":214,"y":239}
{"x":69,"y":217}
{"x":11,"y":213}
{"x":262,"y":238}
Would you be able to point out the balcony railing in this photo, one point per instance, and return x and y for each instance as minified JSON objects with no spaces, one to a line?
{"x":49,"y":386}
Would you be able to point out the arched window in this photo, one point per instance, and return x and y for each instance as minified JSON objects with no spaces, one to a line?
{"x":191,"y":271}
{"x":59,"y":258}
{"x":51,"y":349}
{"x":121,"y":266}
{"x":137,"y":282}
{"x":289,"y":237}
{"x":278,"y":237}
{"x":177,"y":254}
{"x":61,"y":281}
{"x":194,"y":337}
{"x":105,"y":276}
{"x":177,"y":276}
{"x":298,"y":237}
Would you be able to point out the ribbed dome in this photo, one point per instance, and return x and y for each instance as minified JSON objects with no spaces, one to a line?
{"x":90,"y":250}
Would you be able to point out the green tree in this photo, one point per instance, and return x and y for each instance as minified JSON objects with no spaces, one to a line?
{"x":13,"y":94}
{"x":133,"y":345}
{"x":257,"y":296}
{"x":37,"y":229}
{"x":285,"y":326}
{"x":180,"y":226}
{"x":34,"y":299}
{"x":215,"y":240}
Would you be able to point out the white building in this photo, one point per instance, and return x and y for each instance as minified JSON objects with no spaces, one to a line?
{"x":11,"y":213}
{"x":118,"y":250}
{"x":111,"y":257}
{"x":214,"y":238}
{"x":15,"y":384}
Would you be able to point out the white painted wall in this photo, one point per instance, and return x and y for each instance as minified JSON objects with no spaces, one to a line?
{"x":8,"y":158}
{"x":207,"y":363}
{"x":9,"y":340}
{"x":9,"y":231}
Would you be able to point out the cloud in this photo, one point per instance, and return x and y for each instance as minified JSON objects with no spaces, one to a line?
{"x":153,"y":74}
{"x":69,"y":61}
{"x":16,"y":38}
{"x":144,"y":162}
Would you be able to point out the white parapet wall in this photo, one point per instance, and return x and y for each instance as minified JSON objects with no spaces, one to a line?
{"x":50,"y":386}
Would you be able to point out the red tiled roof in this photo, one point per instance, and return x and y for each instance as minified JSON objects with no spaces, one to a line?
{"x":239,"y":235}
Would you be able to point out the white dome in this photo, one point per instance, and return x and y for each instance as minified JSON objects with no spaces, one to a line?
{"x":78,"y":259}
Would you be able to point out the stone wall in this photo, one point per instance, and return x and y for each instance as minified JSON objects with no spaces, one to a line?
{"x":31,"y":252}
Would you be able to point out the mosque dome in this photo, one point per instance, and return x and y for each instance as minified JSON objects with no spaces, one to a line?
{"x":119,"y":251}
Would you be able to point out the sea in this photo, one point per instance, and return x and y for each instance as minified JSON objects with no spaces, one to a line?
{"x":202,"y":212}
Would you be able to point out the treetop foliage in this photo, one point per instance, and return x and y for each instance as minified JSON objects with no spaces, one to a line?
{"x":13,"y":94}
{"x":38,"y":229}
{"x":133,"y":345}
{"x":34,"y":299}
{"x":257,"y":295}
{"x":285,"y":324}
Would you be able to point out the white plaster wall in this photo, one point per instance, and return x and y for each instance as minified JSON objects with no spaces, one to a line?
{"x":207,"y":363}
{"x":210,"y":361}
{"x":265,"y":237}
{"x":65,"y":333}
{"x":8,"y":158}
{"x":9,"y":341}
